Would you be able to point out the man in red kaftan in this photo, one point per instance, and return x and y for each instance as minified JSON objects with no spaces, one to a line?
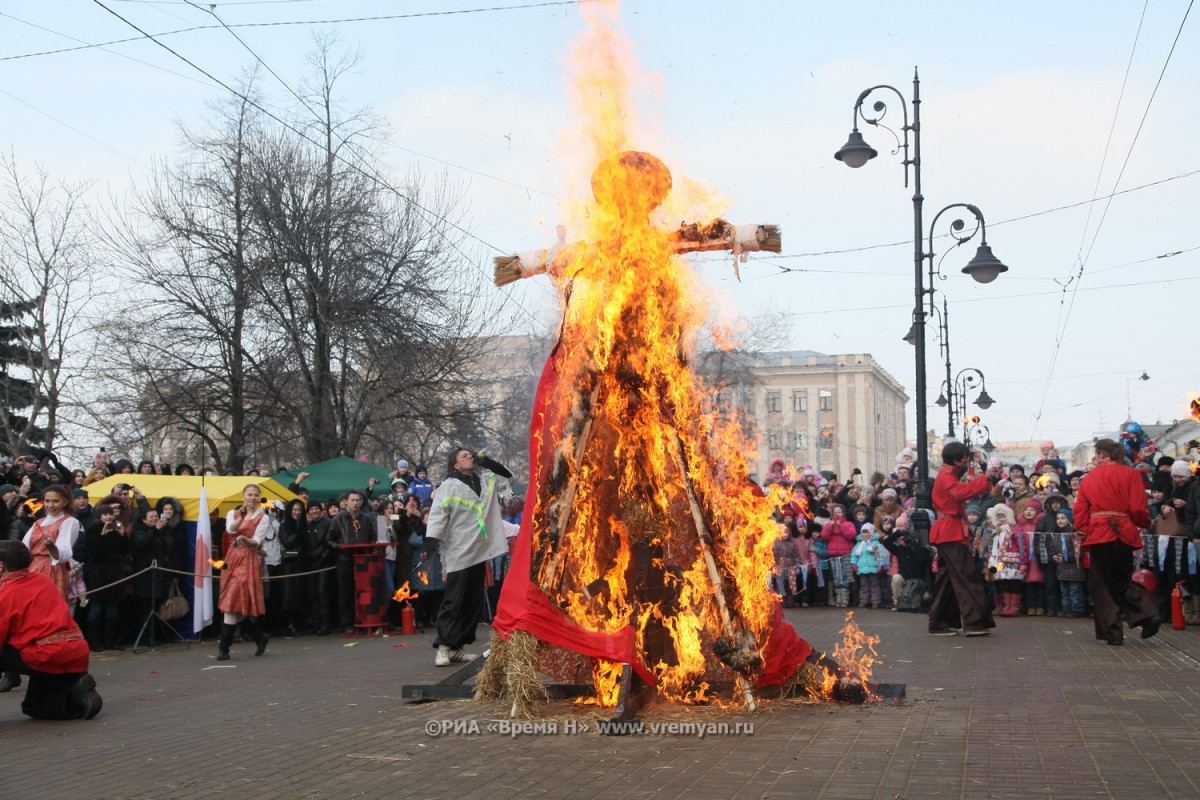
{"x":38,"y":638}
{"x":959,"y":600}
{"x":1111,"y":511}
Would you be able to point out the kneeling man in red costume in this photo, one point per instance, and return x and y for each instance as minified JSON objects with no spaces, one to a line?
{"x":38,"y":638}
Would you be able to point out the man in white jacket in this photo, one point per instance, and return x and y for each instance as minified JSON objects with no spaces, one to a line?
{"x":467,"y":519}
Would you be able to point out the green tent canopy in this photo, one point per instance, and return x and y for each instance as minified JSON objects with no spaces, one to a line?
{"x":328,"y":480}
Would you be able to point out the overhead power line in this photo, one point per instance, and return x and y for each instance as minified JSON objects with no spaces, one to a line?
{"x":1073,"y":284}
{"x":279,"y":23}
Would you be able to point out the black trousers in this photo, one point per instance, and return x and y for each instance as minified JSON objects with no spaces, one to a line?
{"x":1114,"y":592}
{"x":321,"y":598}
{"x":48,"y":695}
{"x":959,"y":599}
{"x":461,"y":604}
{"x":345,"y":590}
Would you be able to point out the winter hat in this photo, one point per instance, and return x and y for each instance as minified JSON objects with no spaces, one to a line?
{"x":1161,"y":482}
{"x":399,"y":482}
{"x":974,"y":509}
{"x":1015,"y":468}
{"x":1181,"y":469}
{"x":902,"y":522}
{"x":1035,"y":504}
{"x":889,"y":493}
{"x":1056,"y":499}
{"x":1001,"y":514}
{"x":1067,"y":512}
{"x":868,"y":529}
{"x":1046,"y":445}
{"x":6,"y":488}
{"x":994,"y":463}
{"x":402,"y":464}
{"x":421,"y":468}
{"x":76,"y":493}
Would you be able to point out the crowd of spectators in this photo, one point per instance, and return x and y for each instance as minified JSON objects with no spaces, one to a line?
{"x":851,"y":544}
{"x":310,"y":586}
{"x":855,"y":544}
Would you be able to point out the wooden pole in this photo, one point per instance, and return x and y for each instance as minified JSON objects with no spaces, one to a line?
{"x":714,"y":573}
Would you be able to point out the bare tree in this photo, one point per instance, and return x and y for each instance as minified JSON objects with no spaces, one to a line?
{"x":186,"y":341}
{"x":46,"y":261}
{"x":294,"y":302}
{"x":373,"y":303}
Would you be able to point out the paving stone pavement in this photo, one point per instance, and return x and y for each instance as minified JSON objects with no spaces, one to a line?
{"x":1040,"y":709}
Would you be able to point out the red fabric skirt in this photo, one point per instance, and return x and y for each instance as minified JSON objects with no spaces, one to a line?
{"x":241,"y":583}
{"x":58,"y":573}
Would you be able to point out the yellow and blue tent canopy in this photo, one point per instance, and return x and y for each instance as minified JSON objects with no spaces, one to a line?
{"x":224,"y":493}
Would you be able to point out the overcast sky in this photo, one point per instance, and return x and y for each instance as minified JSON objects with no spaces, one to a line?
{"x":1029,"y":110}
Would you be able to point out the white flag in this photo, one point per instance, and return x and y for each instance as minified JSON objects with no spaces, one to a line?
{"x":202,"y":608}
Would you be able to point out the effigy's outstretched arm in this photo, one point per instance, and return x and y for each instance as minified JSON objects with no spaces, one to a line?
{"x":694,"y":238}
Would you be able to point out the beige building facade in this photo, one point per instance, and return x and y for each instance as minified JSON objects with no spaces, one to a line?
{"x":833,"y":412}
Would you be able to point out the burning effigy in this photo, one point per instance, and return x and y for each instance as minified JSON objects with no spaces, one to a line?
{"x":642,"y":556}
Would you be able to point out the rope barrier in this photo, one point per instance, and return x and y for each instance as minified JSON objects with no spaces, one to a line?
{"x":155,"y":567}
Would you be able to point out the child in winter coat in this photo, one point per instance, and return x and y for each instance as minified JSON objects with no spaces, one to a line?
{"x":1034,"y":588}
{"x":979,"y":541}
{"x":839,"y":535}
{"x":808,"y":570}
{"x":870,"y":560}
{"x":1010,"y":558}
{"x":783,"y":572}
{"x":1047,"y":523}
{"x":1068,"y":563}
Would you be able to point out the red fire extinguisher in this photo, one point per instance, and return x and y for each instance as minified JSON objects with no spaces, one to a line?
{"x":1177,"y":595}
{"x":408,"y":620}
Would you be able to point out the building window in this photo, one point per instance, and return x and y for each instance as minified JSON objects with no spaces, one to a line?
{"x":799,"y":440}
{"x":774,"y":440}
{"x":826,"y":400}
{"x":774,"y":403}
{"x":800,"y":400}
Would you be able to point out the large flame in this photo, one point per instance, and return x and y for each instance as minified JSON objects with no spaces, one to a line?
{"x":645,"y":480}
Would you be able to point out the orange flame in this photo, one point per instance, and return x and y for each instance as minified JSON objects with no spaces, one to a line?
{"x":403,"y":593}
{"x":217,"y":564}
{"x":857,"y":657}
{"x":801,"y":500}
{"x":423,"y":577}
{"x":1194,"y":405}
{"x":1195,"y":467}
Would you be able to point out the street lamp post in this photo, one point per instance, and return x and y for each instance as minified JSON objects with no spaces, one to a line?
{"x":984,"y":267}
{"x":977,"y":435}
{"x":954,"y":393}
